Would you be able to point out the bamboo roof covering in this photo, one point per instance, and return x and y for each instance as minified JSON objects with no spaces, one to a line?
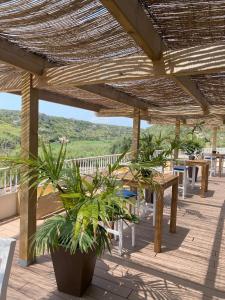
{"x":166,"y":58}
{"x":183,"y":24}
{"x":64,"y":30}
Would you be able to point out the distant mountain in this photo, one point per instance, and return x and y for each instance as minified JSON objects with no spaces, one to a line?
{"x":53,"y":128}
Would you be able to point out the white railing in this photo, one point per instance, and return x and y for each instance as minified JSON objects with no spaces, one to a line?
{"x":8,"y":180}
{"x":89,"y":165}
{"x":209,"y":150}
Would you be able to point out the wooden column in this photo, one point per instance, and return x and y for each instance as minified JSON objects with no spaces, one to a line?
{"x":214,"y":138}
{"x":177,"y":137}
{"x":29,"y":145}
{"x":136,"y":133}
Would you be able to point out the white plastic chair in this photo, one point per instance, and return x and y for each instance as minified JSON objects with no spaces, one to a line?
{"x":212,"y":169}
{"x":145,"y":207}
{"x":182,"y":170}
{"x":118,"y":230}
{"x":7,"y":248}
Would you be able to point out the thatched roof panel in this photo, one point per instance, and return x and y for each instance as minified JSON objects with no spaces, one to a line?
{"x":186,"y":23}
{"x":213,"y":87}
{"x":65,"y":30}
{"x":161,"y":92}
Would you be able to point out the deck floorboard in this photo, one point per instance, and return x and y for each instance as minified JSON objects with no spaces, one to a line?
{"x":191,"y":265}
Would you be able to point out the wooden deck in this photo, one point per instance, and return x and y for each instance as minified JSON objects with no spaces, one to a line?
{"x":191,"y":266}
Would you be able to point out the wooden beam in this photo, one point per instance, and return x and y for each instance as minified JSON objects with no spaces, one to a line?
{"x":64,"y":100}
{"x":115,"y":94}
{"x":133,"y":19}
{"x":125,"y":13}
{"x":136,"y":133}
{"x":29,"y":146}
{"x":18,"y":57}
{"x":173,"y":112}
{"x":68,"y":100}
{"x":191,"y":88}
{"x":214,"y":138}
{"x":177,"y":137}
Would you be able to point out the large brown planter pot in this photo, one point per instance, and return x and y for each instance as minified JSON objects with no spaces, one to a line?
{"x":73,"y":272}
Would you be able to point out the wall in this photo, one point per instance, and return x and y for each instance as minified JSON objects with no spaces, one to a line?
{"x":8,"y":205}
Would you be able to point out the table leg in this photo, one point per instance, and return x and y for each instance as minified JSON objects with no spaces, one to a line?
{"x":159,"y":219}
{"x":173,"y":212}
{"x":193,"y":176}
{"x":207,"y":178}
{"x":204,"y":181}
{"x":220,"y":166}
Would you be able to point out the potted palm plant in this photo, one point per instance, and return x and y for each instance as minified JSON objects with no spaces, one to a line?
{"x":76,"y":237}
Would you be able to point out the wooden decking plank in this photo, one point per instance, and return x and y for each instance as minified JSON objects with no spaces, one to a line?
{"x":190,"y":267}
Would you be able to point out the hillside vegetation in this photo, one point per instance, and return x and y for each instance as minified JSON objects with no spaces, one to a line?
{"x":85,"y":138}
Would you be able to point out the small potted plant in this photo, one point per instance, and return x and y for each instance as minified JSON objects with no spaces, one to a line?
{"x":76,"y":237}
{"x":192,"y":148}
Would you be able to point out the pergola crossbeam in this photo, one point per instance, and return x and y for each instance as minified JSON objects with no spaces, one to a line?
{"x":133,"y":19}
{"x":65,"y":100}
{"x":119,"y":9}
{"x":14,"y":55}
{"x":115,"y":94}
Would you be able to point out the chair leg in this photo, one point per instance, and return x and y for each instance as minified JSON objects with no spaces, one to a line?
{"x":184,"y":183}
{"x":116,"y":228}
{"x":133,"y":235}
{"x":120,"y":230}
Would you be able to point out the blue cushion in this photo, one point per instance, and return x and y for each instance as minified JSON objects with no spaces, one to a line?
{"x":126,"y":194}
{"x":209,"y":157}
{"x":179,"y":168}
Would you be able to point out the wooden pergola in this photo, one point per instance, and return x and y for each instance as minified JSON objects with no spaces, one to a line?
{"x":159,"y":61}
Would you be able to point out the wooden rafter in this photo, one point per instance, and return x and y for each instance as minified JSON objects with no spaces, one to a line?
{"x":115,"y":94}
{"x":65,"y":100}
{"x":146,"y":114}
{"x":14,"y":55}
{"x":191,"y":88}
{"x":133,"y":19}
{"x":35,"y":64}
{"x":119,"y":9}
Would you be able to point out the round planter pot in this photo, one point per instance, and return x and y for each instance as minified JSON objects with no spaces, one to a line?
{"x":73,"y":273}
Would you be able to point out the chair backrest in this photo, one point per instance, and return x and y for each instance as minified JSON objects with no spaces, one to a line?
{"x":7,"y":248}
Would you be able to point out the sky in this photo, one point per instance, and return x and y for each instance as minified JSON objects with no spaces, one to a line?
{"x":13,"y":102}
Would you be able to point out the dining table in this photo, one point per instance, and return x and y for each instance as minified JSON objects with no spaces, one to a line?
{"x":204,"y":164}
{"x":161,"y":183}
{"x":221,"y":158}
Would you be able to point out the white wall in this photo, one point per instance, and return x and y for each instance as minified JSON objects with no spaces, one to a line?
{"x":8,"y":205}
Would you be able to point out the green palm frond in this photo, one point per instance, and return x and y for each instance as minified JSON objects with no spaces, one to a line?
{"x":91,"y":202}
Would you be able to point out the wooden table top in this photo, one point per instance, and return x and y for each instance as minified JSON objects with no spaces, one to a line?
{"x":218,"y":155}
{"x":191,"y":162}
{"x":199,"y":162}
{"x":164,"y":180}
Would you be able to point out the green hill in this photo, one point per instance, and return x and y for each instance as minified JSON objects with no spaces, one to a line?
{"x":85,"y":138}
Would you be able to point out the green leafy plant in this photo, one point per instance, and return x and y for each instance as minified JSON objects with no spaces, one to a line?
{"x":191,"y":147}
{"x":91,"y":202}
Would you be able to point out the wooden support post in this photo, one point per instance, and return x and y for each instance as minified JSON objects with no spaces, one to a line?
{"x":214,"y":138}
{"x":29,"y":145}
{"x":177,"y":137}
{"x":136,"y":133}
